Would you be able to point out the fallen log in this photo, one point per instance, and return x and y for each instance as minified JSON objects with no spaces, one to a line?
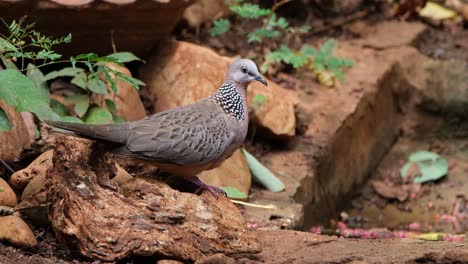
{"x":143,"y":217}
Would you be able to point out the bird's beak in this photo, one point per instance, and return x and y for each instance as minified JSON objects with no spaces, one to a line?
{"x":260,"y":79}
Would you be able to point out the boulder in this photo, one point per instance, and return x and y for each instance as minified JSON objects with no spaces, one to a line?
{"x":205,"y":11}
{"x":7,"y":195}
{"x":127,"y":99}
{"x":232,"y":173}
{"x":38,"y":167}
{"x":13,"y":141}
{"x":181,"y":73}
{"x":16,"y":232}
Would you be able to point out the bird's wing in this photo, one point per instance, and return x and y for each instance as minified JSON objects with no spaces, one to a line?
{"x":193,"y":134}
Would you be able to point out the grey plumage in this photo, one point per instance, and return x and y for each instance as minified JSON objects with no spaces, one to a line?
{"x":201,"y":134}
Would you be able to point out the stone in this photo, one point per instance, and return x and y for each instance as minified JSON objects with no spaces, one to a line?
{"x":436,"y":86}
{"x":16,"y":232}
{"x":12,"y":142}
{"x":216,"y":259}
{"x":205,"y":11}
{"x":39,"y":166}
{"x":180,"y":73}
{"x":388,"y":34}
{"x":186,"y":226}
{"x":232,"y":173}
{"x":168,"y":261}
{"x":7,"y":195}
{"x":127,"y":99}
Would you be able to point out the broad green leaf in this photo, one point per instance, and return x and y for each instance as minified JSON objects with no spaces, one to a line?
{"x":19,"y":91}
{"x":65,"y":72}
{"x":80,"y":80}
{"x":124,"y":57}
{"x":87,"y":56}
{"x":58,"y":107}
{"x":98,"y":115}
{"x":97,"y":85}
{"x":132,"y":81}
{"x":4,"y":121}
{"x":5,"y":46}
{"x":220,"y":27}
{"x":8,"y":63}
{"x":431,"y":166}
{"x":258,"y":101}
{"x":118,"y":119}
{"x":109,"y":78}
{"x":81,"y":103}
{"x":111,"y":105}
{"x":71,"y":119}
{"x":234,"y":193}
{"x":262,"y":175}
{"x":423,"y":156}
{"x":37,"y":77}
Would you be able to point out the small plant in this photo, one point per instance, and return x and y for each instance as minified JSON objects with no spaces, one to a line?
{"x":22,"y":84}
{"x":278,"y":30}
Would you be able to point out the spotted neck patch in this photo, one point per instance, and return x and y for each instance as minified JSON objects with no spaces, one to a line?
{"x":230,"y":100}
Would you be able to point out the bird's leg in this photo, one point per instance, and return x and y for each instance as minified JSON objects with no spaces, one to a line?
{"x":215,"y":191}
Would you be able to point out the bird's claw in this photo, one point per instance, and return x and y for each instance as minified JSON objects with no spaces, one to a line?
{"x":215,"y":191}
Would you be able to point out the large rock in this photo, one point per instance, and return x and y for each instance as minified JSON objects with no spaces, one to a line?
{"x":13,"y":141}
{"x":146,"y":217}
{"x":205,"y":11}
{"x":232,"y":173}
{"x":127,"y":99}
{"x":181,"y":73}
{"x":436,"y":86}
{"x":16,"y":232}
{"x":38,"y":167}
{"x":7,"y":195}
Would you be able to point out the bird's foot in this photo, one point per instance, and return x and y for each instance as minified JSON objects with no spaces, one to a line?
{"x":215,"y":191}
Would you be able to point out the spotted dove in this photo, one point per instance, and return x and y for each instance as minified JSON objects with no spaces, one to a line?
{"x":186,"y":140}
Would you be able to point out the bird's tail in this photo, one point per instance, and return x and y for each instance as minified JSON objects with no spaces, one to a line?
{"x":116,"y":133}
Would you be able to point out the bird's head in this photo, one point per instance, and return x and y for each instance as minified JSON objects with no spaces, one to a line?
{"x":244,"y":71}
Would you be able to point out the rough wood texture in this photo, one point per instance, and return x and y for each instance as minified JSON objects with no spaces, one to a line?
{"x":146,"y":217}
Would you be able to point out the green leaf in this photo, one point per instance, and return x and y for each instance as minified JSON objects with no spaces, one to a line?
{"x":37,"y":77}
{"x":258,"y":101}
{"x":97,"y":85}
{"x":71,"y":119}
{"x":118,"y":119}
{"x":6,"y":46}
{"x":111,"y":105}
{"x":431,"y":166}
{"x":106,"y":71}
{"x":304,"y":29}
{"x":19,"y":91}
{"x":4,"y":121}
{"x":87,"y":56}
{"x":98,"y":115}
{"x":124,"y":57}
{"x":47,"y":54}
{"x":58,"y":107}
{"x":249,"y":11}
{"x":65,"y":72}
{"x":132,"y":81}
{"x":234,"y":193}
{"x":220,"y":27}
{"x":81,"y":103}
{"x":80,"y":80}
{"x":262,"y":175}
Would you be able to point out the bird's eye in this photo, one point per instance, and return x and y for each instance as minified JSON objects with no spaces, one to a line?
{"x":244,"y":70}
